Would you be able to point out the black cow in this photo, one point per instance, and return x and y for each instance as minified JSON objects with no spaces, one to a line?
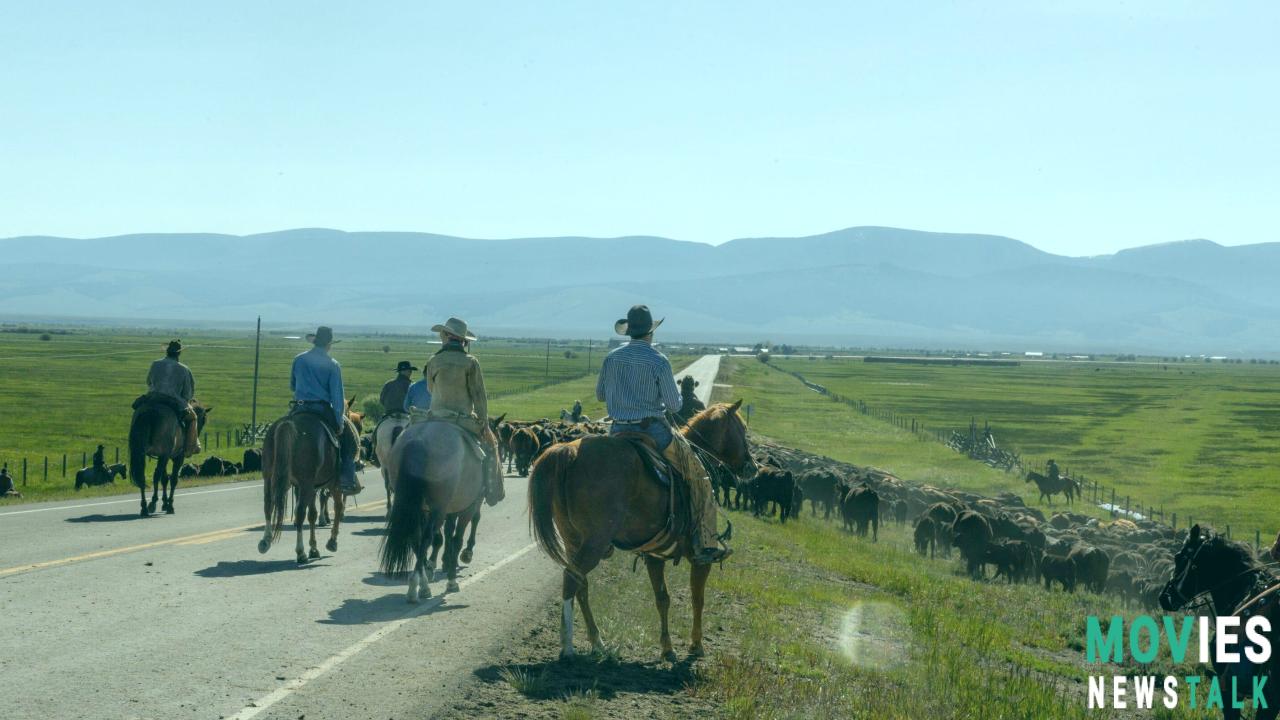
{"x":252,"y":461}
{"x":772,"y":485}
{"x":861,"y":507}
{"x":971,"y":533}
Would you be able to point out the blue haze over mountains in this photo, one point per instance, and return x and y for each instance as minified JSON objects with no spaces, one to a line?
{"x":864,"y":286}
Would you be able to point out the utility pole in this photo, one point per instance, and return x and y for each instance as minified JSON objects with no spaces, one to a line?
{"x":546,"y":374}
{"x":257,"y":351}
{"x":588,"y":356}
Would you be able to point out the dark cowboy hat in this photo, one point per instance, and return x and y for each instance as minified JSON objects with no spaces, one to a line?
{"x":405,"y":365}
{"x":638,"y":322}
{"x":174,"y":346}
{"x":322,"y":336}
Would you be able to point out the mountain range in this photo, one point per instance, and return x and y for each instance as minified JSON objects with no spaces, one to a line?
{"x":862,"y":286}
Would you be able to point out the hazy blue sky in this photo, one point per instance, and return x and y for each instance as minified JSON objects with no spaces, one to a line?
{"x":1079,"y":126}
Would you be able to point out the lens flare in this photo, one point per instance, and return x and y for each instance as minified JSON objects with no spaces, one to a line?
{"x":875,"y":635}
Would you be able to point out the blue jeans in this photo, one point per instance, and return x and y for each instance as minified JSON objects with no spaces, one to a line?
{"x":657,"y":429}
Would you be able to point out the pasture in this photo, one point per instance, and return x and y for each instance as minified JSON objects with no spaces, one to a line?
{"x":73,"y":391}
{"x":1197,"y":438}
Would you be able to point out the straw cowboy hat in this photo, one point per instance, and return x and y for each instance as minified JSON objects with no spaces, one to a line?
{"x":322,"y":336}
{"x":454,"y":327}
{"x":638,"y":322}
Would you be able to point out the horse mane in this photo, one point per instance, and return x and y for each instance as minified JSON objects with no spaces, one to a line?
{"x":711,"y":414}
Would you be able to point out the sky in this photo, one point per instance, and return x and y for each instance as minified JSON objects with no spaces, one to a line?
{"x":1079,"y":126}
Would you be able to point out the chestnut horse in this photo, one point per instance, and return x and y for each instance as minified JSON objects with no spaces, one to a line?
{"x":298,"y":452}
{"x":593,"y":494}
{"x":156,"y":432}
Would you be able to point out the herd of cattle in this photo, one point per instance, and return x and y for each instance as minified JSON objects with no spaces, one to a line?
{"x":1131,"y":559}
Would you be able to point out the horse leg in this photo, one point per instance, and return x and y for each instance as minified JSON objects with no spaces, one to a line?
{"x":324,"y":508}
{"x":142,"y":489}
{"x":658,"y":579}
{"x":469,"y":551}
{"x":339,"y":506}
{"x":453,"y":543}
{"x":386,"y":485}
{"x":299,"y":517}
{"x":421,"y":588}
{"x":171,"y":487}
{"x":157,"y":478}
{"x":698,"y":589}
{"x":438,"y":542}
{"x":314,"y":554}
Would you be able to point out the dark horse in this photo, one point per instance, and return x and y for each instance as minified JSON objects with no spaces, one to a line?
{"x":438,"y":478}
{"x":1050,"y":487}
{"x":298,"y":452}
{"x":593,"y":494}
{"x":155,"y":432}
{"x":1227,"y":573}
{"x":93,"y":476}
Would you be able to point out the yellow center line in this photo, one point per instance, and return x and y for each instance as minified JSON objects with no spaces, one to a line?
{"x":197,"y":539}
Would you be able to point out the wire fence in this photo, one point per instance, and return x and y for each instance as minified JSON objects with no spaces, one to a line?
{"x":1092,"y":490}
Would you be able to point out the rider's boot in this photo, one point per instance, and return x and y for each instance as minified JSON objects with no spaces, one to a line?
{"x":348,"y":444}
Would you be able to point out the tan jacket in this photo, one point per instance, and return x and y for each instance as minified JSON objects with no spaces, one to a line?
{"x":457,"y":386}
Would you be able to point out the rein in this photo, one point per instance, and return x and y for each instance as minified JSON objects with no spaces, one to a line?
{"x":1204,"y":598}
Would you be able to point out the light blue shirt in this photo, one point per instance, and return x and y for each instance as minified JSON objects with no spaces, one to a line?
{"x":316,"y":376}
{"x":418,"y":396}
{"x":636,"y":382}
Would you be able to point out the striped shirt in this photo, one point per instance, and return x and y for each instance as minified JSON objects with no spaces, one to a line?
{"x":636,"y":382}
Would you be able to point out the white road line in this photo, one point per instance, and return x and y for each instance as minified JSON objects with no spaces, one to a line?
{"x":130,"y":500}
{"x":292,"y":686}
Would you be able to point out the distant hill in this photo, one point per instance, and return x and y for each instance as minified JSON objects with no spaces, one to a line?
{"x":858,"y":286}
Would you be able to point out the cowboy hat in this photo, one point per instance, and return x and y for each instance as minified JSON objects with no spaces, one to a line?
{"x":322,"y":336}
{"x":405,"y":365}
{"x":174,"y":346}
{"x":638,"y":322}
{"x":454,"y":327}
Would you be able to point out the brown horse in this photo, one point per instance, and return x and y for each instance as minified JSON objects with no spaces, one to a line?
{"x":297,"y":452}
{"x":593,"y":494}
{"x":1049,"y":487}
{"x":438,"y":479}
{"x":156,"y":432}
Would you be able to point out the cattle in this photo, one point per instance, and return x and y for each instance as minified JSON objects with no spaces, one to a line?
{"x":1013,"y":559}
{"x":213,"y":466}
{"x":861,"y":507}
{"x":926,"y":536}
{"x":1092,"y":565}
{"x":899,"y":509}
{"x":1058,"y":569}
{"x":797,"y":502}
{"x":771,"y":485}
{"x":252,"y":461}
{"x":942,"y":514}
{"x":821,"y":486}
{"x":525,"y":446}
{"x":189,"y":470}
{"x":971,"y":533}
{"x":1124,"y":584}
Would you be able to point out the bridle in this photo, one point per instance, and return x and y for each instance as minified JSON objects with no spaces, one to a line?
{"x":709,"y":458}
{"x":1204,"y":599}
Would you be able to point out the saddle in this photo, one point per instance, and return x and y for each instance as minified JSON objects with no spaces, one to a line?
{"x":654,"y":461}
{"x":150,"y":399}
{"x":321,"y":410}
{"x":669,"y":543}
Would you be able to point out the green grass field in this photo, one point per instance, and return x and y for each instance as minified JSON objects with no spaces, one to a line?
{"x":69,"y":393}
{"x":1199,"y":439}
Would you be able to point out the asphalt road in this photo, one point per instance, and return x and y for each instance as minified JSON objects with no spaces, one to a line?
{"x":108,"y":615}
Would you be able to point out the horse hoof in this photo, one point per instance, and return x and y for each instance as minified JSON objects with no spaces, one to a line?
{"x":314,"y":554}
{"x":302,"y":559}
{"x":452,"y":587}
{"x":144,"y":513}
{"x":567,"y":655}
{"x":697,"y":651}
{"x":263,"y":546}
{"x":466,"y":556}
{"x":168,"y":510}
{"x":332,"y":545}
{"x":669,"y":655}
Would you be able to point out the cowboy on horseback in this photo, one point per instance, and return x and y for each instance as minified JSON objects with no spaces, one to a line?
{"x":394,"y":392}
{"x":418,"y":396}
{"x":99,"y":459}
{"x":1051,"y":471}
{"x":638,"y":387}
{"x":170,"y":383}
{"x":455,"y":386}
{"x":316,"y":381}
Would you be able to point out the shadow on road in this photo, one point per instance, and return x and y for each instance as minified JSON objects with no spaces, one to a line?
{"x":98,"y":517}
{"x":363,"y":519}
{"x":371,"y":532}
{"x":245,"y":568}
{"x":387,"y":607}
{"x":604,"y":676}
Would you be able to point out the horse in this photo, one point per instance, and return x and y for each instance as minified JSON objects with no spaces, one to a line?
{"x":593,"y":494}
{"x":1236,"y":584}
{"x":1050,"y":487}
{"x":385,"y":435}
{"x":438,"y":476}
{"x":93,"y":476}
{"x":297,"y":452}
{"x":155,"y":431}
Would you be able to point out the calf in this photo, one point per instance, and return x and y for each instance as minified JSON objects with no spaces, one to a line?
{"x":1060,"y":570}
{"x":861,"y":507}
{"x":926,"y":536}
{"x":772,"y":485}
{"x":525,"y":445}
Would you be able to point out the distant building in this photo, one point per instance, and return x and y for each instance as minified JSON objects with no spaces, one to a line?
{"x":1032,"y":354}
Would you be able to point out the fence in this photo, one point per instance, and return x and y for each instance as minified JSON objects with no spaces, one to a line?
{"x":22,"y":468}
{"x":1097,"y":493}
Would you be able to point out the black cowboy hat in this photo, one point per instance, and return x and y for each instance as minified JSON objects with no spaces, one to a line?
{"x":174,"y":346}
{"x":322,"y":336}
{"x":638,"y":322}
{"x":405,"y":365}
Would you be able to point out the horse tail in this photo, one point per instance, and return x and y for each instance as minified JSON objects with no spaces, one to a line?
{"x":139,"y":437}
{"x":395,"y":434}
{"x":276,"y":486}
{"x":406,"y":522}
{"x":548,"y":496}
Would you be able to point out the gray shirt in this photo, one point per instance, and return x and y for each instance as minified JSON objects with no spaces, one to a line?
{"x":172,"y":378}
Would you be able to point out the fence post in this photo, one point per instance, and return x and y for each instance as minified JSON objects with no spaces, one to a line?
{"x":117,"y":453}
{"x":64,"y":466}
{"x":24,"y":472}
{"x":1113,"y":502}
{"x":1257,"y":540}
{"x":46,"y":469}
{"x":1174,"y":524}
{"x":84,"y":459}
{"x":1126,"y":505}
{"x":217,"y":440}
{"x":1228,"y":532}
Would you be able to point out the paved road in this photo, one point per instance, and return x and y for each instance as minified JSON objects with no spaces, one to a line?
{"x":704,"y":370}
{"x":107,"y":615}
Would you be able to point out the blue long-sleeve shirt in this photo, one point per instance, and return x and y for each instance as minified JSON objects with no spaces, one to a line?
{"x":418,"y":396}
{"x":636,"y":382}
{"x":316,"y":376}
